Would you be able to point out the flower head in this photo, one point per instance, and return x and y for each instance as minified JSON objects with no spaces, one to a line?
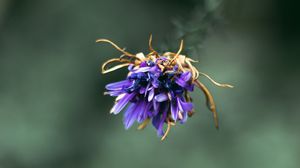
{"x":156,"y":88}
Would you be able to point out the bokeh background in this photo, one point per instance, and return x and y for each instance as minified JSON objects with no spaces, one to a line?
{"x":53,"y":113}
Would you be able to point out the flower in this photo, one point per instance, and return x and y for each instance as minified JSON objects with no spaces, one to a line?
{"x":156,"y":89}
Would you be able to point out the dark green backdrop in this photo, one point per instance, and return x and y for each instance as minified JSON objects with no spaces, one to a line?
{"x":53,"y":113}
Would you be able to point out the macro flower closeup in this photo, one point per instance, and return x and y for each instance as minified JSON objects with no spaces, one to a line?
{"x":156,"y":88}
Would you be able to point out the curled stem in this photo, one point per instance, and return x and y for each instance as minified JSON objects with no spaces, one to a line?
{"x":214,"y":82}
{"x":115,"y":46}
{"x":144,"y":124}
{"x":209,"y":101}
{"x":178,"y":52}
{"x":167,"y":131}
{"x":104,"y":71}
{"x":150,"y":46}
{"x":180,"y":66}
{"x":195,"y":72}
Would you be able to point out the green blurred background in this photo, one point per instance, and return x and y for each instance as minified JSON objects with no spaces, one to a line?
{"x":53,"y":113}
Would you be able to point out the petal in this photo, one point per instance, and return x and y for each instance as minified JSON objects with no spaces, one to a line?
{"x":156,"y":106}
{"x":147,"y":89}
{"x":155,"y":84}
{"x":149,"y":111}
{"x":185,"y":116}
{"x":156,"y":121}
{"x":144,"y":114}
{"x":154,"y":69}
{"x":187,"y":106}
{"x":184,"y":78}
{"x":140,"y":116}
{"x":184,"y":106}
{"x":144,"y":63}
{"x":130,"y":67}
{"x":122,"y":103}
{"x":161,"y":97}
{"x":120,"y":97}
{"x":180,"y":82}
{"x":151,"y":95}
{"x":114,"y":92}
{"x":190,"y":87}
{"x":174,"y":110}
{"x":179,"y":104}
{"x":142,"y":69}
{"x":142,"y":90}
{"x":118,"y":85}
{"x":131,"y":114}
{"x":160,"y":131}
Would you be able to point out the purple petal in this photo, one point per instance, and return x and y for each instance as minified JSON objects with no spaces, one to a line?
{"x":136,"y":112}
{"x":151,"y":95}
{"x":132,"y":114}
{"x":156,"y":106}
{"x":174,"y":110}
{"x":156,"y":121}
{"x":130,"y":67}
{"x":118,"y":85}
{"x":161,"y":58}
{"x":141,"y":111}
{"x":184,"y":106}
{"x":143,"y":64}
{"x":155,"y":83}
{"x":175,"y":68}
{"x":160,"y":131}
{"x":187,"y":106}
{"x":147,"y":89}
{"x":185,"y":116}
{"x":190,"y":87}
{"x":122,"y":103}
{"x":180,"y":82}
{"x":150,"y":112}
{"x":129,"y":116}
{"x":161,"y":97}
{"x":154,"y":69}
{"x":142,"y":69}
{"x":142,"y":90}
{"x":114,"y":92}
{"x":186,"y":76}
{"x":184,"y":79}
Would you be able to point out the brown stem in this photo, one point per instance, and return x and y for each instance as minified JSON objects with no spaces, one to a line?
{"x":150,"y":45}
{"x":104,"y":70}
{"x":167,"y":131}
{"x":178,"y":52}
{"x":144,"y":124}
{"x":216,"y":83}
{"x":115,"y":46}
{"x":210,"y":101}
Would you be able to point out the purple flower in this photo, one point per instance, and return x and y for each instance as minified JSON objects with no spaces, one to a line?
{"x":157,"y":88}
{"x":151,"y":93}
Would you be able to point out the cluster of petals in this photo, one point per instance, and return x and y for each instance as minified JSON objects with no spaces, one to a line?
{"x":148,"y":93}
